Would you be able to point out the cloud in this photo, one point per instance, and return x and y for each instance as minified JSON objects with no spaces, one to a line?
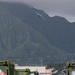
{"x":64,"y":8}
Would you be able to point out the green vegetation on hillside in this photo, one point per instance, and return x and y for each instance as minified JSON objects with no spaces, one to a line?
{"x":26,"y":37}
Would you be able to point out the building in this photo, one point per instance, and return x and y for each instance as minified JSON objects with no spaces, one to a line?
{"x":41,"y":69}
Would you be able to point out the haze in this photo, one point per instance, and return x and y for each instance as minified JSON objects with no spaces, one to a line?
{"x":64,"y":8}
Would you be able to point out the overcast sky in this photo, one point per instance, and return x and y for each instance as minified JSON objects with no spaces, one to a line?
{"x":64,"y":8}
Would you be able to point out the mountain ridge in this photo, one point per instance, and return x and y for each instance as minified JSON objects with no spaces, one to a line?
{"x":30,"y":35}
{"x":53,"y":27}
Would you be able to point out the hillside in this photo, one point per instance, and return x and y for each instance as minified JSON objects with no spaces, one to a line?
{"x":29,"y":35}
{"x":58,"y":31}
{"x":22,"y":43}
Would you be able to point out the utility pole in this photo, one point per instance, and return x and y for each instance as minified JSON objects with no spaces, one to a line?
{"x":41,"y":65}
{"x":41,"y":62}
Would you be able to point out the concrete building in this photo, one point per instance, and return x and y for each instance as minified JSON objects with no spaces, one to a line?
{"x":49,"y":71}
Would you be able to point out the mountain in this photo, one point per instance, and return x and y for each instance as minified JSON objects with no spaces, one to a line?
{"x":58,"y":31}
{"x":29,"y":35}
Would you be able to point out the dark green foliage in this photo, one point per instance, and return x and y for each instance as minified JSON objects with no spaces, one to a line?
{"x":55,"y":65}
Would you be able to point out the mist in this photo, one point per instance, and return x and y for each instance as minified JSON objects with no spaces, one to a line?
{"x":64,"y":8}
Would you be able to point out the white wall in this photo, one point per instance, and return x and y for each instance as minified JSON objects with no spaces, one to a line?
{"x":40,"y":69}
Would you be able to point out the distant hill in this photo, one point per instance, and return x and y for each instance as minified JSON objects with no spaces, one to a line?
{"x":58,"y":30}
{"x":29,"y":35}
